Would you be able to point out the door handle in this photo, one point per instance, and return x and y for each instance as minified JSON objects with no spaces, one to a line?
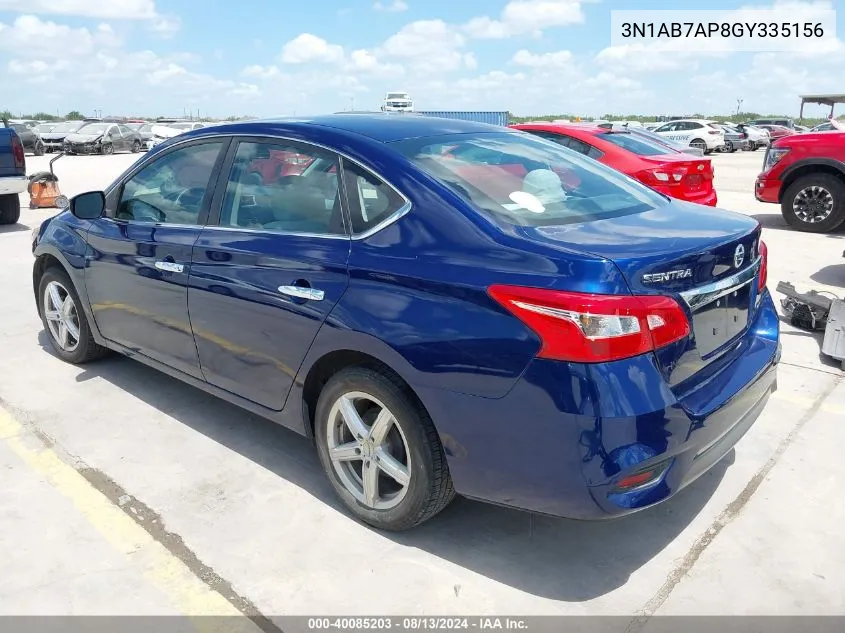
{"x":171,"y":267}
{"x":301,"y":292}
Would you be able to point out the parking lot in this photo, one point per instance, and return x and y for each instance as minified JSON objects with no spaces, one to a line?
{"x":126,"y":491}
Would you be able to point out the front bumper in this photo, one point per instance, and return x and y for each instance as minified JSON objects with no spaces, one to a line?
{"x":560,"y":441}
{"x":86,"y":148}
{"x":767,"y":189}
{"x":13,"y":185}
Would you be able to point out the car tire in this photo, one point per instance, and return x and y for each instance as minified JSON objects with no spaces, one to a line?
{"x":107,"y":149}
{"x":39,"y":149}
{"x":810,"y":196}
{"x":409,"y":447}
{"x":79,"y":347}
{"x":729,"y":147}
{"x":136,"y":147}
{"x":10,"y":208}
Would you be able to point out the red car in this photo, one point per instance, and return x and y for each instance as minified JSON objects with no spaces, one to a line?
{"x":778,"y":131}
{"x":653,"y":163}
{"x":805,"y":174}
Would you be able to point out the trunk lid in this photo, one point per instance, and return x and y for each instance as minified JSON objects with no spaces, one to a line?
{"x":691,"y":175}
{"x":706,"y":261}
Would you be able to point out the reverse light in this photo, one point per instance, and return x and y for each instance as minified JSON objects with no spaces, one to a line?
{"x":764,"y":266}
{"x":593,"y":328}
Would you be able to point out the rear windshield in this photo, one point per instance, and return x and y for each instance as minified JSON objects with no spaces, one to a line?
{"x":519,"y":179}
{"x":636,"y":144}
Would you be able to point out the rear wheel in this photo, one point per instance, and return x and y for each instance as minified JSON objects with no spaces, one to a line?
{"x":10,"y":208}
{"x":729,"y":147}
{"x":699,"y":144}
{"x":136,"y":147}
{"x":815,"y":203}
{"x":39,"y":148}
{"x":64,"y":319}
{"x":380,"y":450}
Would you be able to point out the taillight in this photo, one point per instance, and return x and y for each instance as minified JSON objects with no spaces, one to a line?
{"x":764,"y":266}
{"x":660,"y":176}
{"x":17,"y":151}
{"x":714,"y":132}
{"x":592,"y":328}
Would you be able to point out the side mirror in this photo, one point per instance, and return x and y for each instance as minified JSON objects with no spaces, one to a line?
{"x":88,"y":206}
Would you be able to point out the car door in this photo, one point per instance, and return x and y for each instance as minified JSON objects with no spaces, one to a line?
{"x":139,"y":256}
{"x":269,"y":268}
{"x":126,"y":137}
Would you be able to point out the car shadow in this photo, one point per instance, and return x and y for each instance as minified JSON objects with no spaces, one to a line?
{"x":833,"y":275}
{"x":553,"y":558}
{"x":775,"y":222}
{"x":14,"y":228}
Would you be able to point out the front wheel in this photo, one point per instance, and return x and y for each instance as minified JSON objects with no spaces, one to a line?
{"x":107,"y":149}
{"x":380,"y":450}
{"x":729,"y":147}
{"x":39,"y":149}
{"x":815,"y":203}
{"x":64,"y":319}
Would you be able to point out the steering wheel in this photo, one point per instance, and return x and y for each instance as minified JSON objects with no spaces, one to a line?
{"x":145,"y":212}
{"x":190,"y":196}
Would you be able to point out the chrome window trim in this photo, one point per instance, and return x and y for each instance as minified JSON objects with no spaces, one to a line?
{"x":703,"y":295}
{"x":395,"y":216}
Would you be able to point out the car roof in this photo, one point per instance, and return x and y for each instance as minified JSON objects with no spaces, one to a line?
{"x":385,"y":128}
{"x":587,"y":127}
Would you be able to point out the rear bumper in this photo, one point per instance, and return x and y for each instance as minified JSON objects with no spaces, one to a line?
{"x":767,"y":189}
{"x":707,"y":198}
{"x":560,"y":441}
{"x":13,"y":184}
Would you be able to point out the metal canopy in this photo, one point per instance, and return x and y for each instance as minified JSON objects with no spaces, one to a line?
{"x":830,"y":100}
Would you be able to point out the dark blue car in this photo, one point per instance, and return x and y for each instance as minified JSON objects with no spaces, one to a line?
{"x":443,"y":306}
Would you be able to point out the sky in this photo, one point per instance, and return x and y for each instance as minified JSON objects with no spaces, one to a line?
{"x":289,"y":57}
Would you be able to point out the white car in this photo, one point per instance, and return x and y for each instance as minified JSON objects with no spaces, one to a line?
{"x":757,"y":136}
{"x":705,"y":135}
{"x":397,"y":102}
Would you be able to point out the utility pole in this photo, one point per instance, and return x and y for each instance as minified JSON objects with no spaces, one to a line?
{"x":739,"y":101}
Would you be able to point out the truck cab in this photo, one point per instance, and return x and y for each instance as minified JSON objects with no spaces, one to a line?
{"x":398,"y":102}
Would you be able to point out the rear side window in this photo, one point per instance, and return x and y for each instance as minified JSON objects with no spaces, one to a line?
{"x":371,"y":200}
{"x":637,"y":144}
{"x":572,"y":143}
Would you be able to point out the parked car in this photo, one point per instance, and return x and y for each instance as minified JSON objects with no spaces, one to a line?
{"x":829,"y":126}
{"x":783,"y":122}
{"x":55,"y":138}
{"x":28,"y":136}
{"x":145,"y":131}
{"x":805,"y":174}
{"x":735,"y":139}
{"x":654,"y":164}
{"x":758,"y":137}
{"x":102,"y":138}
{"x":694,"y":132}
{"x":13,"y":180}
{"x":778,"y":131}
{"x":408,"y":314}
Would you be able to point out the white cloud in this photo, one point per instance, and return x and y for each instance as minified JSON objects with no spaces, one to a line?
{"x":116,"y":9}
{"x":430,"y":46}
{"x":262,"y":72}
{"x":560,"y":59}
{"x":520,"y":17}
{"x":395,"y":6}
{"x":310,"y":48}
{"x":165,"y":26}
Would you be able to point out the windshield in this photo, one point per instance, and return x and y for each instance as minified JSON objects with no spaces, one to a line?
{"x":523,"y":180}
{"x":180,"y":126}
{"x":68,"y":126}
{"x":640,"y":145}
{"x":94,"y":128}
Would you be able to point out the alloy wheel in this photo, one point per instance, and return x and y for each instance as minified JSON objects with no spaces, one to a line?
{"x":813,"y":204}
{"x":699,"y":144}
{"x":61,"y":315}
{"x":368,"y":451}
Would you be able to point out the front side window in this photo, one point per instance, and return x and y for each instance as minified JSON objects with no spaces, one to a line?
{"x":518,"y":179}
{"x":283,"y":187}
{"x":171,"y":189}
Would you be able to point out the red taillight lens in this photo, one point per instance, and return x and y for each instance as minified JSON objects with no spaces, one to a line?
{"x":764,"y":266}
{"x":593,"y":328}
{"x":17,"y":151}
{"x":714,"y":132}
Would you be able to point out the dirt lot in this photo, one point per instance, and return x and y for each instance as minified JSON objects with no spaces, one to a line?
{"x":125,"y":491}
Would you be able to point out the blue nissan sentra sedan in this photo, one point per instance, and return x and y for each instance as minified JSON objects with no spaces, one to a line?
{"x":444,"y":307}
